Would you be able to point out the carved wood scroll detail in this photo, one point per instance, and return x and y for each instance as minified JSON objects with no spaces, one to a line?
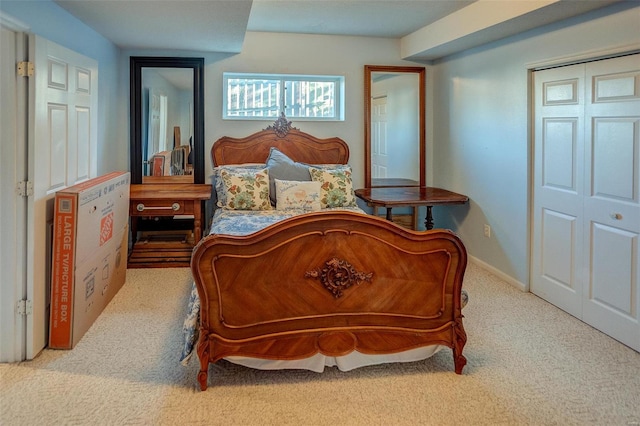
{"x":281,"y":126}
{"x":338,"y":275}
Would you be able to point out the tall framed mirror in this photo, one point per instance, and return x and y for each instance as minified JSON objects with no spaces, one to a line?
{"x":394,"y":126}
{"x":167,"y":119}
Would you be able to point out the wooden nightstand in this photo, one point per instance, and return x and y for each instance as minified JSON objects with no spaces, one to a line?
{"x":162,"y":200}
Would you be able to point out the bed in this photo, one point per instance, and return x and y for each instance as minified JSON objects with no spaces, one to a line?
{"x":311,"y":285}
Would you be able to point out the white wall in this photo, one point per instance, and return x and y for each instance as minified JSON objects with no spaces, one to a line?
{"x":302,"y":54}
{"x":481,"y":136}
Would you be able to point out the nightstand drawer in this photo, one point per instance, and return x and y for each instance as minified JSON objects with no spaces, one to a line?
{"x":166,"y":207}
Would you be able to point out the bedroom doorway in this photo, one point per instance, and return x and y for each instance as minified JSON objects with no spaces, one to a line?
{"x":586,"y":193}
{"x":52,"y":111}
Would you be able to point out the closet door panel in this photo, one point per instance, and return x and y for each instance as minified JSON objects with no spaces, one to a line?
{"x":612,"y":199}
{"x":557,"y":269}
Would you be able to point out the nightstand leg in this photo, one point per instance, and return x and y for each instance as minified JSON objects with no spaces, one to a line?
{"x":197,"y":227}
{"x":428,"y":223}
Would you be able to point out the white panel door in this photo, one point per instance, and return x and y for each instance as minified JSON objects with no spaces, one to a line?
{"x":586,"y":193}
{"x":558,"y":187}
{"x":379,"y":148}
{"x":61,"y":152}
{"x":612,"y":199}
{"x":13,"y":118}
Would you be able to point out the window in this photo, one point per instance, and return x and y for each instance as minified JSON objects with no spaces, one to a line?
{"x":265,"y":96}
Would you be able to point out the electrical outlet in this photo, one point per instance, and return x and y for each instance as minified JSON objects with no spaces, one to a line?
{"x":487,"y":231}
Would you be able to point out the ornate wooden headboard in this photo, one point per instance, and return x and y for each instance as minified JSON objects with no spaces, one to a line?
{"x":297,"y":145}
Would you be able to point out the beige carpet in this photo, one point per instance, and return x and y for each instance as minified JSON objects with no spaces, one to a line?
{"x":528,"y":364}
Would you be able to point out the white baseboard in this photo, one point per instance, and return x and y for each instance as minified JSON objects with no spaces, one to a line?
{"x":509,"y":279}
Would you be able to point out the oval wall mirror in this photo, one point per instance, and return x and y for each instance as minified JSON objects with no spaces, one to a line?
{"x":394,"y":126}
{"x":167,"y":119}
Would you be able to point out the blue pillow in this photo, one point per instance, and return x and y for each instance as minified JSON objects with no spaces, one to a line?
{"x":284,"y":168}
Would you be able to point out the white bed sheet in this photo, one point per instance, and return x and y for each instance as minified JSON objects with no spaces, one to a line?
{"x":348,"y":362}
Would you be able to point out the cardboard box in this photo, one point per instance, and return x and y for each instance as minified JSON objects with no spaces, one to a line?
{"x":89,"y":254}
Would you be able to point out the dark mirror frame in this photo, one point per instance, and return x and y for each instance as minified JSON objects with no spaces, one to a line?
{"x":368,"y":70}
{"x":136,"y":65}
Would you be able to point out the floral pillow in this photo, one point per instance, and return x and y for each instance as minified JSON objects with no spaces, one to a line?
{"x":297,"y":195}
{"x":336,"y":185}
{"x":245,"y":189}
{"x":216,"y":181}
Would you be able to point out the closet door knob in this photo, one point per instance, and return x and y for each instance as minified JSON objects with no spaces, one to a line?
{"x":616,"y":216}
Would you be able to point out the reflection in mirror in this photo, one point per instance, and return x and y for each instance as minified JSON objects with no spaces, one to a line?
{"x":394,"y":126}
{"x":167,"y":120}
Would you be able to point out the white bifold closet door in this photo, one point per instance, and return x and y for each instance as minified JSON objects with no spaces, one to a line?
{"x":586,"y":193}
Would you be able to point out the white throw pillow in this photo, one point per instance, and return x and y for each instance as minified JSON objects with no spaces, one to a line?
{"x":297,"y":195}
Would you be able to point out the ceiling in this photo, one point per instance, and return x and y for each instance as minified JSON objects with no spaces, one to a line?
{"x":220,"y":25}
{"x":391,"y":19}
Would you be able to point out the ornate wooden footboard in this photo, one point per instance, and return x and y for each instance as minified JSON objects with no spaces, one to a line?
{"x":330,"y":283}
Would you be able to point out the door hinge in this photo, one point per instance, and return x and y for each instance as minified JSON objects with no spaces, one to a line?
{"x":24,"y":188}
{"x":25,"y":307}
{"x":25,"y":69}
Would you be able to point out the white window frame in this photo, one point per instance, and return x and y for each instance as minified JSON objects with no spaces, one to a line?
{"x":280,"y":108}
